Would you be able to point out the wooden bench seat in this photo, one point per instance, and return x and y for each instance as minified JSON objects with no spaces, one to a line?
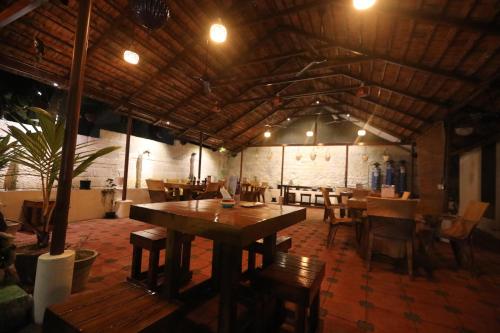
{"x":283,"y":244}
{"x":295,"y":279}
{"x":153,"y":240}
{"x":123,"y":308}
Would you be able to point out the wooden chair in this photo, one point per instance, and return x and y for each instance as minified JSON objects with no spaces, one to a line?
{"x":392,"y":219}
{"x":156,"y":189}
{"x":298,"y":280}
{"x":283,"y":244}
{"x":211,"y":192}
{"x":460,"y":232}
{"x":122,"y":308}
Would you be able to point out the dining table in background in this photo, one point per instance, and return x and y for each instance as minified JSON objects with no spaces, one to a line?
{"x":187,"y":189}
{"x":230,"y":229}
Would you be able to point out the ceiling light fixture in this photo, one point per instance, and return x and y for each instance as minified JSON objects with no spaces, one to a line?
{"x":131,"y":57}
{"x":317,"y":101}
{"x":361,"y":132}
{"x":267,"y":134}
{"x":288,"y":119}
{"x":39,"y":93}
{"x":309,"y":134}
{"x":55,"y":84}
{"x":363,"y":4}
{"x":218,"y":32}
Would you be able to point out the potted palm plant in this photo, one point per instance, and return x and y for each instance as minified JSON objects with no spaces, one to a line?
{"x":38,"y":147}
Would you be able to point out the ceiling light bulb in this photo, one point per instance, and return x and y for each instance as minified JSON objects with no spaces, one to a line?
{"x":218,"y":32}
{"x":348,"y":115}
{"x":361,"y":132}
{"x":55,"y":84}
{"x":222,"y":149}
{"x":309,"y":133}
{"x":168,"y":122}
{"x":39,"y":93}
{"x":317,"y":102}
{"x":267,"y":134}
{"x":287,"y":119}
{"x":363,"y":4}
{"x":131,"y":57}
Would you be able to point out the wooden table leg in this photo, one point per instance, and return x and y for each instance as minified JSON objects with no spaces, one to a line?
{"x":216,"y":265}
{"x":172,"y":264}
{"x":230,"y":274}
{"x":186,"y":272}
{"x":269,"y":250}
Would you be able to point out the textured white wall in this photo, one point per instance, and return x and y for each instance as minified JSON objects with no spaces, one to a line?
{"x":164,"y":161}
{"x":264,"y":164}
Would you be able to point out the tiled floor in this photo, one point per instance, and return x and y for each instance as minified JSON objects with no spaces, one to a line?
{"x":385,"y":300}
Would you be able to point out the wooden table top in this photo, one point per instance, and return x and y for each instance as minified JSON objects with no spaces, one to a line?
{"x":356,"y":203}
{"x":206,"y":218}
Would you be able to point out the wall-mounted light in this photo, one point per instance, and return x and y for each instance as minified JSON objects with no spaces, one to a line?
{"x":309,"y":134}
{"x":361,"y":132}
{"x":363,"y":4}
{"x":267,"y":134}
{"x":131,"y":57}
{"x":218,"y":32}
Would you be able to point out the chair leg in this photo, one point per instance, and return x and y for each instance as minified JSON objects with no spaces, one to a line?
{"x":456,"y":252}
{"x":331,"y":235}
{"x":409,"y":254}
{"x":300,"y":323}
{"x":369,"y":252}
{"x":314,"y":313}
{"x":154,"y":258}
{"x":251,"y":260}
{"x":472,"y":261}
{"x":136,"y":263}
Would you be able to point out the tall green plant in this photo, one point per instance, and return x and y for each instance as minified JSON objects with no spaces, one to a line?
{"x":5,"y":151}
{"x":39,"y":147}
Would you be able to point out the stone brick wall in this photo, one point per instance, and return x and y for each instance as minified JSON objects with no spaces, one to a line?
{"x":163,"y":162}
{"x":263,"y":164}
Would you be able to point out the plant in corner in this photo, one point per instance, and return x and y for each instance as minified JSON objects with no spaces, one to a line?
{"x":108,"y":199}
{"x":38,"y":147}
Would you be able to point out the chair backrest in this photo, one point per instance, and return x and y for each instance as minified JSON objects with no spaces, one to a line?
{"x":406,"y":195}
{"x":392,"y":208}
{"x":475,"y":211}
{"x":212,"y":187}
{"x":326,"y":197}
{"x":156,"y":189}
{"x":360,"y":193}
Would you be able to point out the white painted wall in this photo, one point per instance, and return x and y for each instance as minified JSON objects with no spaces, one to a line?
{"x":470,"y":178}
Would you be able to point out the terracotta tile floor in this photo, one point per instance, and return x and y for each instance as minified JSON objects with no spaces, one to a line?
{"x":385,"y":300}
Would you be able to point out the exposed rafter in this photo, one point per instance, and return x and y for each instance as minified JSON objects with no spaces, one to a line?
{"x":18,"y":9}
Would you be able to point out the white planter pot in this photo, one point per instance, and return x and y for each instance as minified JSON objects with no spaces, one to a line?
{"x":54,"y":275}
{"x":122,"y":208}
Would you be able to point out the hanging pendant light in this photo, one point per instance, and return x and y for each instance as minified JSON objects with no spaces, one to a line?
{"x":152,"y":14}
{"x":131,"y":57}
{"x":267,"y":134}
{"x":218,"y":32}
{"x":361,"y":132}
{"x":363,"y":4}
{"x":309,"y":134}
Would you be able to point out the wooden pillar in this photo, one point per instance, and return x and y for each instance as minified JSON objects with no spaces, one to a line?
{"x":60,"y":217}
{"x":199,"y":159}
{"x":241,"y":164}
{"x":412,"y":157}
{"x":127,"y":157}
{"x":346,"y":164}
{"x":282,"y":168}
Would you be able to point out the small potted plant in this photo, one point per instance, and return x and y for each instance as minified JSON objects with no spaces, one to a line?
{"x":84,"y":259}
{"x":108,"y":199}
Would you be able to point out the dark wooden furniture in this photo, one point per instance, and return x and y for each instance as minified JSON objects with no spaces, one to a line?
{"x":154,"y":241}
{"x":188,"y":190}
{"x":232,"y":230}
{"x":283,"y":244}
{"x":393,"y":220}
{"x":122,"y":308}
{"x":295,"y":279}
{"x":305,"y":195}
{"x":32,"y":213}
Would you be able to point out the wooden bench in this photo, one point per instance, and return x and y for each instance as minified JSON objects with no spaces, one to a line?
{"x":283,"y":244}
{"x":154,"y":240}
{"x":123,"y":308}
{"x":295,"y":279}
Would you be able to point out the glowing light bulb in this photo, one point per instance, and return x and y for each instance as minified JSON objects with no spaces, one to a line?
{"x":363,"y":4}
{"x":218,"y":32}
{"x":131,"y":57}
{"x":309,"y":133}
{"x":222,"y":149}
{"x":55,"y":84}
{"x":267,"y":134}
{"x":288,"y":119}
{"x":39,"y":93}
{"x":361,"y":132}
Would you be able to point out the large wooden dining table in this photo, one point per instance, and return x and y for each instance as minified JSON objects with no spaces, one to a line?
{"x":231,"y":229}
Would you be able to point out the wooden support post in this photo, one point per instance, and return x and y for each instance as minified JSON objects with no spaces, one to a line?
{"x":127,"y":157}
{"x":199,"y":159}
{"x":346,"y":164}
{"x":241,"y":164}
{"x":412,"y":157}
{"x":282,"y":168}
{"x":60,"y":217}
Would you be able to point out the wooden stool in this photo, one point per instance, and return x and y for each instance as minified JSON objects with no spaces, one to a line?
{"x":306,"y":195}
{"x":298,"y":280}
{"x":122,"y":308}
{"x":283,"y":244}
{"x":153,"y":240}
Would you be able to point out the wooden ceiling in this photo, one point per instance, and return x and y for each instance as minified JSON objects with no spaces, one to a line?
{"x":420,"y":60}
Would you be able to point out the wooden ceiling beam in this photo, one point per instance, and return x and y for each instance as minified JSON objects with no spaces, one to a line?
{"x":18,"y":9}
{"x":397,"y":13}
{"x":383,"y":57}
